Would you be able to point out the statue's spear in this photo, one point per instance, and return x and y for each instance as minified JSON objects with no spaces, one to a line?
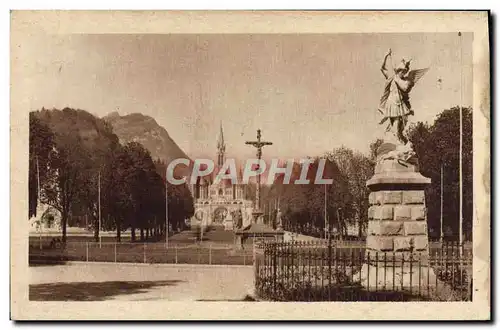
{"x":392,"y":62}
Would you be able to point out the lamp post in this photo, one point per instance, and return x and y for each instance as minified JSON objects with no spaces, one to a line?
{"x":99,"y":205}
{"x":325,"y":214}
{"x":460,"y":153}
{"x":441,"y":217}
{"x":166,"y":211}
{"x":40,"y":227}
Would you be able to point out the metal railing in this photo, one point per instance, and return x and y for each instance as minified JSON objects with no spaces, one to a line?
{"x":209,"y":254}
{"x":314,"y":271}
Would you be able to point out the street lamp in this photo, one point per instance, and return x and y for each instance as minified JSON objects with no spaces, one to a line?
{"x":441,"y":216}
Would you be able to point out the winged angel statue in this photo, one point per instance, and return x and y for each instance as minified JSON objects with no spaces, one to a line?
{"x":395,"y":102}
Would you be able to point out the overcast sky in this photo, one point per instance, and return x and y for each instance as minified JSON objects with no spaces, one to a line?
{"x":308,"y":93}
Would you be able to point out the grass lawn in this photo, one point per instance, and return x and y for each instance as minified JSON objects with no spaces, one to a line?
{"x":217,"y":247}
{"x":142,"y":253}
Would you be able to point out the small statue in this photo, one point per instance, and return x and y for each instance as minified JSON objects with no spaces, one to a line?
{"x":402,"y":153}
{"x":395,"y":102}
{"x":238,"y":219}
{"x":279,"y":222}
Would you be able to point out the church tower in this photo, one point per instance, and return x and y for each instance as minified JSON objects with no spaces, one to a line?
{"x":221,"y":148}
{"x":216,"y":202}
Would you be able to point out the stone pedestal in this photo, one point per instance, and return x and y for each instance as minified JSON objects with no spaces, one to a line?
{"x":238,"y":241}
{"x":397,"y":244}
{"x":228,"y":222}
{"x":257,"y":230}
{"x":258,"y":216}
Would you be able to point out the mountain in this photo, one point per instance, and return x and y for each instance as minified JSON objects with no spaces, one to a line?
{"x":94,"y":133}
{"x":145,"y":130}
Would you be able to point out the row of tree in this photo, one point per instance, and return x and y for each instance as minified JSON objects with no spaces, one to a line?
{"x":73,"y":151}
{"x":83,"y":169}
{"x":311,"y":208}
{"x":437,"y":148}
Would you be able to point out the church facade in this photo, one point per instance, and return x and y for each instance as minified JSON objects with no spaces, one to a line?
{"x":221,"y":204}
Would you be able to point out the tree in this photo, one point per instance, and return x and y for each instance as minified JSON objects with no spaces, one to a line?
{"x":303,"y":205}
{"x":120,"y":194}
{"x":42,"y":153}
{"x":80,"y":156}
{"x":69,"y":164}
{"x":180,"y":200}
{"x":93,"y":142}
{"x":438,"y":145}
{"x":139,"y":179}
{"x":374,"y":147}
{"x":356,"y":168}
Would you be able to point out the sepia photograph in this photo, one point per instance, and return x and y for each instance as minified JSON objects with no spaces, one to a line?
{"x":186,"y":159}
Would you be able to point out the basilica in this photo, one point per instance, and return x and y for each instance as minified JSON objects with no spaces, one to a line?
{"x":221,"y":204}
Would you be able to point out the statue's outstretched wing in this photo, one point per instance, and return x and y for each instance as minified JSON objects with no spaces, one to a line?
{"x":415,"y":75}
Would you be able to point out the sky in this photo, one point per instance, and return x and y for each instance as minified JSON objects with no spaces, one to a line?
{"x":308,"y":93}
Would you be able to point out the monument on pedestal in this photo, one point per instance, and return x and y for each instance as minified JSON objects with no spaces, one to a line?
{"x":397,"y":245}
{"x":279,"y":221}
{"x":228,"y":222}
{"x":257,"y":229}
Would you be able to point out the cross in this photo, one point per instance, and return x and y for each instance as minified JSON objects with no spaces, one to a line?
{"x":258,"y":144}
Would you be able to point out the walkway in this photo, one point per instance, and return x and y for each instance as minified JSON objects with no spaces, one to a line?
{"x":137,"y":282}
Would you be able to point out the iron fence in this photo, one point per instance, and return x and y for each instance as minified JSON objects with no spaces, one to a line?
{"x":314,"y":271}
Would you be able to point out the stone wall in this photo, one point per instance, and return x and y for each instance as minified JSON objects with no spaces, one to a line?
{"x":397,"y":221}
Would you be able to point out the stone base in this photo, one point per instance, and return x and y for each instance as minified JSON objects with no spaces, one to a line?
{"x":228,"y":225}
{"x":258,"y":216}
{"x":390,"y":170}
{"x":397,"y":278}
{"x":257,"y":231}
{"x":238,"y":241}
{"x":397,"y":246}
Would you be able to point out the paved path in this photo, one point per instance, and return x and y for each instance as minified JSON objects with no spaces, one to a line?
{"x":101,"y":281}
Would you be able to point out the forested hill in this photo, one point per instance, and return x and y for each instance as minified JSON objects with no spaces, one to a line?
{"x":84,"y":170}
{"x":93,"y":132}
{"x":145,"y":130}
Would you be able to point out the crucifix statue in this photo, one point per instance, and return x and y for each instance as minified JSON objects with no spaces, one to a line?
{"x":258,"y":144}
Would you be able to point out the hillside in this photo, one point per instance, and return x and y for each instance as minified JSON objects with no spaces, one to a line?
{"x":145,"y":130}
{"x":94,"y":132}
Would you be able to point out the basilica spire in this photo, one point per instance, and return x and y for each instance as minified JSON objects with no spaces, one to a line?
{"x":221,"y":147}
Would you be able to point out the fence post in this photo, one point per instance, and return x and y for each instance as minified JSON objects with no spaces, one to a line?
{"x":87,"y":251}
{"x":368,"y":261}
{"x":144,"y":253}
{"x":302,"y":262}
{"x":274,"y":268}
{"x":253,"y":252}
{"x":309,"y":259}
{"x":210,"y":254}
{"x":330,"y":266}
{"x":175,"y":253}
{"x":322,"y":268}
{"x":453,"y":268}
{"x":115,"y":252}
{"x":461,"y":256}
{"x":419,"y":270}
{"x":256,"y":273}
